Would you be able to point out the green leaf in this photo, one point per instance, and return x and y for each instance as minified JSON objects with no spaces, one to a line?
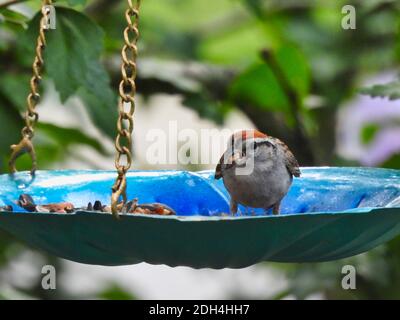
{"x":66,"y":137}
{"x":393,"y":163}
{"x":11,"y":16}
{"x":206,"y":107}
{"x":10,"y":125}
{"x":390,"y":90}
{"x":258,"y":85}
{"x":76,"y":2}
{"x":295,"y":67}
{"x":52,"y":144}
{"x":256,"y":6}
{"x":368,"y":132}
{"x":236,"y":45}
{"x":72,"y":60}
{"x":115,"y":292}
{"x":15,"y":87}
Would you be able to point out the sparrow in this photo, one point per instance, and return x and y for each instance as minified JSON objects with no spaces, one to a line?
{"x":25,"y":201}
{"x":257,"y":170}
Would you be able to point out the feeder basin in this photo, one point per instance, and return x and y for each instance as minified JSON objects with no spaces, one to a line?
{"x":328,"y":214}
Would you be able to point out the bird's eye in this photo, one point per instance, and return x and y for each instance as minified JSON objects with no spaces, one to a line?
{"x":269,"y":144}
{"x":255,"y":146}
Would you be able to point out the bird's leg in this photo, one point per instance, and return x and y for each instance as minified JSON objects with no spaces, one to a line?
{"x":233,"y":207}
{"x":276,"y":208}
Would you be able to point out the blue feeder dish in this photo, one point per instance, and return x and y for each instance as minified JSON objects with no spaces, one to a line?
{"x":329,"y":213}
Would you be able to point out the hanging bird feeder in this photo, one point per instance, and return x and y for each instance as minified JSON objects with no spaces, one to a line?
{"x":328,"y":214}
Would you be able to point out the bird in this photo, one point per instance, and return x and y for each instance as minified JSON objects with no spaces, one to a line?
{"x":257,"y":170}
{"x":26,"y":201}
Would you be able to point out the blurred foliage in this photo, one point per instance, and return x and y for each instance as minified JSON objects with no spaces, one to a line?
{"x":115,"y":292}
{"x":213,"y":54}
{"x":72,"y":61}
{"x":389,"y":90}
{"x":369,"y":132}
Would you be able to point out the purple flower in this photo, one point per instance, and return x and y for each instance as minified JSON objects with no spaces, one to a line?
{"x":363,"y":111}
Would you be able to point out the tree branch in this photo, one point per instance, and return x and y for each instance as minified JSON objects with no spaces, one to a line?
{"x":294,"y":103}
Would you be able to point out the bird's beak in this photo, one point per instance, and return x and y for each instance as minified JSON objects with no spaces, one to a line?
{"x":236,"y":159}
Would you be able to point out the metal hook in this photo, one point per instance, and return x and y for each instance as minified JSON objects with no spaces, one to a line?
{"x":119,"y":189}
{"x":25,"y":146}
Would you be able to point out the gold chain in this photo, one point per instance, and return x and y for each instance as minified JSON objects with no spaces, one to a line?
{"x":127,"y":92}
{"x":31,"y":116}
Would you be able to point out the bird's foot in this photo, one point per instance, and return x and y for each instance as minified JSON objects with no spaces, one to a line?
{"x":276,"y":209}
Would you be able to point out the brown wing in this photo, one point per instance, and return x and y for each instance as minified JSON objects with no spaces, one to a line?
{"x":218,"y":169}
{"x":291,"y":162}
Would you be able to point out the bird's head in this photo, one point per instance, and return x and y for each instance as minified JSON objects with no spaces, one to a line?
{"x":248,"y":145}
{"x":246,"y":150}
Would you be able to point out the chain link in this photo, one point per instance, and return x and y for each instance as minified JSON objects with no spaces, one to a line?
{"x":127,"y":92}
{"x":31,"y":116}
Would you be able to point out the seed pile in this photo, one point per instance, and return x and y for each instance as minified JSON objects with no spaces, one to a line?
{"x":6,"y":208}
{"x":134,"y":207}
{"x":131,"y":207}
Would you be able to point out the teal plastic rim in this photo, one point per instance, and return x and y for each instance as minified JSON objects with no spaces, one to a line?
{"x":329,"y":214}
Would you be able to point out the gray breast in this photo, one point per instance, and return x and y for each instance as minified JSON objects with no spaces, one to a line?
{"x":262,"y":188}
